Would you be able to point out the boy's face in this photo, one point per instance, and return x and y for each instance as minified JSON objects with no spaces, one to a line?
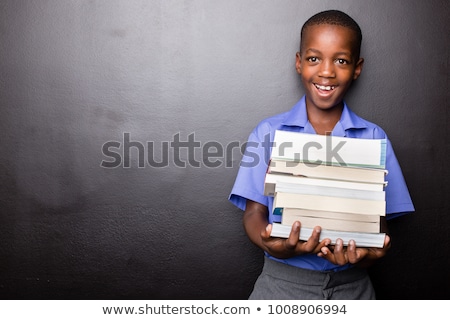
{"x":327,"y":64}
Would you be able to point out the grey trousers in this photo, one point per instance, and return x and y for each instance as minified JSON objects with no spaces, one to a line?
{"x":279,"y":281}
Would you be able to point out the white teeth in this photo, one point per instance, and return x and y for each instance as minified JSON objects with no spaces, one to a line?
{"x":326,"y":88}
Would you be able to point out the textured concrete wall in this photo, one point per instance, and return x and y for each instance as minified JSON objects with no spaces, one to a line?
{"x":130,"y":84}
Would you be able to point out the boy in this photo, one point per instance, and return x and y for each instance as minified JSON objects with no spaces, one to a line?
{"x":328,"y":62}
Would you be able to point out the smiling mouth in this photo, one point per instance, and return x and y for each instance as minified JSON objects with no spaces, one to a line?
{"x":324,"y":88}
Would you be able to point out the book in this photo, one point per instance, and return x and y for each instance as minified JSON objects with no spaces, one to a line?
{"x":272,"y":179}
{"x":328,"y":203}
{"x":362,"y":239}
{"x":331,"y":223}
{"x":342,"y":173}
{"x":329,"y":150}
{"x":333,"y":182}
{"x":298,"y":212}
{"x":287,"y":187}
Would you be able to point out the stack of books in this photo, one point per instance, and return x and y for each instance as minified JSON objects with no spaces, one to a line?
{"x":333,"y":182}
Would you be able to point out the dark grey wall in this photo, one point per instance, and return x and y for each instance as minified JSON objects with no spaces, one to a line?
{"x":76,"y":75}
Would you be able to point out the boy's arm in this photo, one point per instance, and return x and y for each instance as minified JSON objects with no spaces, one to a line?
{"x":258,"y":230}
{"x":361,"y":257}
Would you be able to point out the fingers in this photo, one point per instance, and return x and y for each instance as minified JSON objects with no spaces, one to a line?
{"x":387,"y":242}
{"x":265,"y":234}
{"x":294,"y":236}
{"x":353,"y":254}
{"x":337,"y":254}
{"x":315,"y":236}
{"x":313,"y":244}
{"x":292,"y":246}
{"x":340,"y":252}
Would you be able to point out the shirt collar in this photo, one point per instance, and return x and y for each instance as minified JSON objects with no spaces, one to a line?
{"x":297,"y":117}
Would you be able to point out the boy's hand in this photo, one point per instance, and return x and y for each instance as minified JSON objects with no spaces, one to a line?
{"x":286,"y":248}
{"x":363,"y":257}
{"x":258,"y":230}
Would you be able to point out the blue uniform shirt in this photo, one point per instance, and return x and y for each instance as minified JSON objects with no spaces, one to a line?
{"x":249,"y":182}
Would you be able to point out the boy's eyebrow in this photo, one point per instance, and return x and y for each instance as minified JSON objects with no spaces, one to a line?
{"x":336,"y":53}
{"x":312,"y":50}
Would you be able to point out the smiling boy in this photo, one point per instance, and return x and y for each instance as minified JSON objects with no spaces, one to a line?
{"x":328,"y":62}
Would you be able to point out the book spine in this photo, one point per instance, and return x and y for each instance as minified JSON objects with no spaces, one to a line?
{"x":372,"y":240}
{"x":272,"y":179}
{"x":332,"y":224}
{"x":330,"y":191}
{"x":352,"y":174}
{"x":317,"y":148}
{"x":330,"y":214}
{"x":326,"y":203}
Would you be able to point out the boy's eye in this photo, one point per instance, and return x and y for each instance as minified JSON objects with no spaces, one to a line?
{"x":342,"y":61}
{"x":312,"y":59}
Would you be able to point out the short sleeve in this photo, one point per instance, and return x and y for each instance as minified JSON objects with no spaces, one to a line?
{"x":249,"y":182}
{"x":398,"y":199}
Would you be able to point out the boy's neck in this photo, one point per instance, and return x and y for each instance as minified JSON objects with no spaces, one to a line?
{"x":324,"y":120}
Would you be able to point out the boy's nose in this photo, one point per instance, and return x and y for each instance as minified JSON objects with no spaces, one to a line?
{"x":327,"y":69}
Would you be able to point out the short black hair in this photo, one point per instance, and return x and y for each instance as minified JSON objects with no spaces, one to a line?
{"x":334,"y":17}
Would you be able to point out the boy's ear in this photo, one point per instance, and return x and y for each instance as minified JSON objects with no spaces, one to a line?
{"x":298,"y":62}
{"x":358,"y":68}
